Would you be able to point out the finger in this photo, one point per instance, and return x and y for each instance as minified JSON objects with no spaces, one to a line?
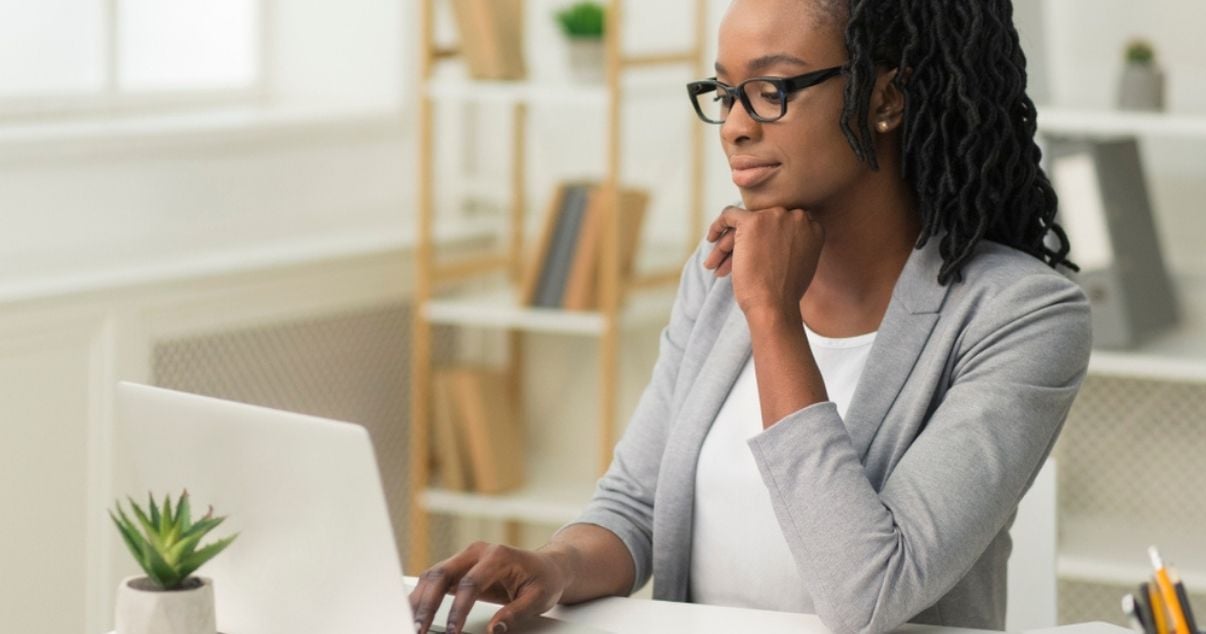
{"x":435,"y":582}
{"x":718,"y":254}
{"x":725,"y":268}
{"x":722,"y":251}
{"x":468,"y":589}
{"x":727,"y":219}
{"x":435,"y":586}
{"x":529,"y":602}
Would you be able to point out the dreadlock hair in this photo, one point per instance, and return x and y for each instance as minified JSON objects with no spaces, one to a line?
{"x":968,"y":135}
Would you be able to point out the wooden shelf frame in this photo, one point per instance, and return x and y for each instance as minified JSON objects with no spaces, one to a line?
{"x":429,"y":275}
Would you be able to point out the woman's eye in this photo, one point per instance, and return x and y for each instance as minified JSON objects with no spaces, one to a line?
{"x":771,"y":96}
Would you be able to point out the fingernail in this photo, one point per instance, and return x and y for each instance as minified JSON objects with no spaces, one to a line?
{"x":418,"y":626}
{"x":499,"y":628}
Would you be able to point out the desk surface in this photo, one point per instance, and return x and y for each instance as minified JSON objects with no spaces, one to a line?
{"x":627,"y":615}
{"x":623,"y":615}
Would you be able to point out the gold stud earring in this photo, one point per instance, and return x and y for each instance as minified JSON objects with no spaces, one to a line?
{"x":883,"y":126}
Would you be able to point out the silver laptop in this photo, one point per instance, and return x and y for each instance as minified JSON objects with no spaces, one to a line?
{"x":315,"y":551}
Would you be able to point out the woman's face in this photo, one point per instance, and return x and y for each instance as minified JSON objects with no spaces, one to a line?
{"x":802,"y":160}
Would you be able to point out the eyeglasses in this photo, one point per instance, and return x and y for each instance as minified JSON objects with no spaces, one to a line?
{"x":764,"y":98}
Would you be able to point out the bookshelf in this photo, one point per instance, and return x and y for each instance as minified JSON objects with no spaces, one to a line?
{"x":1102,"y":122}
{"x":1130,"y":454}
{"x":1102,"y":543}
{"x":481,"y":291}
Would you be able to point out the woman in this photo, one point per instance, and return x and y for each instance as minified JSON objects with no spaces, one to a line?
{"x":866,"y":365}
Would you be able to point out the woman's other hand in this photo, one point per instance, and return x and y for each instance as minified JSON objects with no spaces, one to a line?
{"x":526,"y":583}
{"x":771,"y":253}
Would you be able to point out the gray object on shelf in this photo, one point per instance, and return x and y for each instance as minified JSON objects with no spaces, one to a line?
{"x":1129,"y":288}
{"x":1141,"y":87}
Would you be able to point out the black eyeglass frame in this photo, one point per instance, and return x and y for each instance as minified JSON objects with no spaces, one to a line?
{"x":785,"y":86}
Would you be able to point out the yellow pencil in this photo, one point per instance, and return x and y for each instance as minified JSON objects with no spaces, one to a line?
{"x":1159,"y":616}
{"x":1169,"y":594}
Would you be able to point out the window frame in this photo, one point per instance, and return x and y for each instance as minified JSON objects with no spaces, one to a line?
{"x":109,"y":99}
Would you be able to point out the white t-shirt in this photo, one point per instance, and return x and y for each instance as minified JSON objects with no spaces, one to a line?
{"x":739,"y":556}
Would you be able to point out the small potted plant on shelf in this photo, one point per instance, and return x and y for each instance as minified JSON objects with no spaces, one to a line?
{"x":1141,"y":86}
{"x":583,"y":25}
{"x":168,"y":600}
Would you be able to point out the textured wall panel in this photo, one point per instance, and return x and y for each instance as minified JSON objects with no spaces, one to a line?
{"x":1125,"y":441}
{"x":1130,"y":458}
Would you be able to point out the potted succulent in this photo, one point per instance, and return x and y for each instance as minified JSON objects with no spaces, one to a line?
{"x":168,"y":600}
{"x":1141,"y":86}
{"x":583,"y":24}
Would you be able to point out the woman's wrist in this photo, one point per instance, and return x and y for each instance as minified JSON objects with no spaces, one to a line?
{"x":772,"y":316}
{"x":564,"y":557}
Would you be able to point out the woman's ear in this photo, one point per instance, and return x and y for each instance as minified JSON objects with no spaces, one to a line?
{"x":887,"y":102}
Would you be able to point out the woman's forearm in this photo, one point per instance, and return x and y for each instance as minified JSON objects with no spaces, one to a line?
{"x":594,"y":560}
{"x":786,"y":372}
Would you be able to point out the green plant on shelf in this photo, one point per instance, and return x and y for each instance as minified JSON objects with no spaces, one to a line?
{"x":583,"y":20}
{"x":167,"y":546}
{"x":1140,"y":51}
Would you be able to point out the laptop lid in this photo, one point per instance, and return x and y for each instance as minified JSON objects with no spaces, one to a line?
{"x":315,"y":551}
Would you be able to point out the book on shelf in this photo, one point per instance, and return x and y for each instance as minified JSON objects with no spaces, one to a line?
{"x":582,"y":285}
{"x":564,"y":271}
{"x":491,"y":37}
{"x":451,"y":463}
{"x":485,"y":416}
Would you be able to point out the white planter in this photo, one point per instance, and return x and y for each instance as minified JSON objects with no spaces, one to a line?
{"x":586,"y":56}
{"x":1141,"y":87}
{"x":165,"y":612}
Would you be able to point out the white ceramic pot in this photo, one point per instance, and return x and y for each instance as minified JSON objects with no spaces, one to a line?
{"x":165,"y":611}
{"x":1141,"y":87}
{"x":586,"y":57}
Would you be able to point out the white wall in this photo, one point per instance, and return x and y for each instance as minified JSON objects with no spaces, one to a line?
{"x":339,"y":52}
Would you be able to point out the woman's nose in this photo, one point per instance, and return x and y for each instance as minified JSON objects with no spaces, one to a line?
{"x":739,"y":126}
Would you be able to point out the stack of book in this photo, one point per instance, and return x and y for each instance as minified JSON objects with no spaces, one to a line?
{"x":478,"y":442}
{"x":491,"y":33}
{"x":564,"y":271}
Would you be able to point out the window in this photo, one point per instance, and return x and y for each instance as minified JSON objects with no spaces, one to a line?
{"x":64,"y":56}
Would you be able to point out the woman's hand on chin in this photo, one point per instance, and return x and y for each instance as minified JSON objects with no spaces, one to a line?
{"x":771,"y":253}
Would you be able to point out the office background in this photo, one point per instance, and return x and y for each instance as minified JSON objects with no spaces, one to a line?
{"x":247,"y":232}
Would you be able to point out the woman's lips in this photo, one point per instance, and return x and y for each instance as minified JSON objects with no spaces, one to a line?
{"x":747,"y":176}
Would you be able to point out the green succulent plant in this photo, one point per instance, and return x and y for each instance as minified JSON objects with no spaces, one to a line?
{"x":166,"y":547}
{"x":1139,"y":51}
{"x":583,"y":20}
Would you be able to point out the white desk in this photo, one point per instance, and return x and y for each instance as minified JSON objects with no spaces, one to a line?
{"x":623,"y":615}
{"x":643,"y":616}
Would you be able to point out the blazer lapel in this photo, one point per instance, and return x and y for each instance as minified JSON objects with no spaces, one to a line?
{"x":906,"y":326}
{"x":675,"y":498}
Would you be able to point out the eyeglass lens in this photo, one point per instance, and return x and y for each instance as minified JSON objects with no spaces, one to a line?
{"x":764,"y":96}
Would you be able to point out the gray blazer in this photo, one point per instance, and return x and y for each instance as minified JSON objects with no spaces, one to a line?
{"x":901,"y":511}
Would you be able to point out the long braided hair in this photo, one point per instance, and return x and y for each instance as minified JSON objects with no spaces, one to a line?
{"x":968,"y":136}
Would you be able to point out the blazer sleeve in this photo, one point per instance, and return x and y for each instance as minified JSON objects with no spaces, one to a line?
{"x":623,"y":498}
{"x":879,"y":558}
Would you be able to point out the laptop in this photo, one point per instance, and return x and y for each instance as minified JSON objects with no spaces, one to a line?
{"x":315,"y":551}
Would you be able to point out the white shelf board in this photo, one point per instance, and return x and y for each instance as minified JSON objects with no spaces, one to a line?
{"x":1088,"y":122}
{"x":545,"y":92}
{"x":1176,"y":355}
{"x":1114,"y":550}
{"x":548,"y":497}
{"x":499,"y":308}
